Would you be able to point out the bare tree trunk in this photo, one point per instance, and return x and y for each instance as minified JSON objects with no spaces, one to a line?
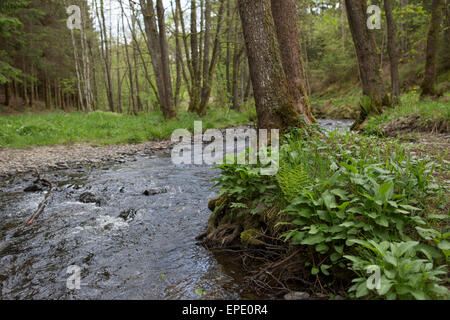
{"x":7,"y":95}
{"x":179,"y":58}
{"x":132,"y":107}
{"x":77,"y":70}
{"x":274,"y":105}
{"x":367,"y":54}
{"x":154,"y":41}
{"x":119,"y":79}
{"x":393,"y":51}
{"x":193,"y":105}
{"x":170,"y":109}
{"x":106,"y":54}
{"x":428,"y":84}
{"x":288,"y":34}
{"x":235,"y":87}
{"x":209,"y":74}
{"x":141,"y":55}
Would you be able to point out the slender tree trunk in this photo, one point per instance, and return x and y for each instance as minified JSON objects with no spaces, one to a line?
{"x":274,"y":104}
{"x":209,"y":75}
{"x":132,"y":105}
{"x":235,"y":87}
{"x":428,"y":84}
{"x":106,"y":55}
{"x":193,"y":105}
{"x":178,"y":57}
{"x":393,"y":51}
{"x":119,"y":79}
{"x":288,"y":34}
{"x":170,"y":109}
{"x":154,"y":41}
{"x":367,"y":54}
{"x":7,"y":95}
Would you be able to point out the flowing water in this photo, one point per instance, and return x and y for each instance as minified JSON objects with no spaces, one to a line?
{"x":127,"y":246}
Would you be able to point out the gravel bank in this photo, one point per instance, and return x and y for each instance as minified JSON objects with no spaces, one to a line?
{"x":14,"y":161}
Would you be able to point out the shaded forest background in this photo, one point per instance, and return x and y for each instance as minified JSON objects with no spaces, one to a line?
{"x":139,"y":56}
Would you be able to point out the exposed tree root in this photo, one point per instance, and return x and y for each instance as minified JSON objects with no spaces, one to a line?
{"x":273,"y":267}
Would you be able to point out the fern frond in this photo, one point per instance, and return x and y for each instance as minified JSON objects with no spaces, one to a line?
{"x":292,"y":179}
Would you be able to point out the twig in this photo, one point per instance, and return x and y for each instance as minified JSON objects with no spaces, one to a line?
{"x":43,"y":204}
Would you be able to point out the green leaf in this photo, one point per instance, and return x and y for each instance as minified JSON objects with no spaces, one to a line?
{"x":386,"y":190}
{"x":362,"y":290}
{"x":324,"y":268}
{"x":314,"y":239}
{"x":322,"y":248}
{"x":329,"y":200}
{"x":340,"y":193}
{"x":444,"y":245}
{"x":382,"y":221}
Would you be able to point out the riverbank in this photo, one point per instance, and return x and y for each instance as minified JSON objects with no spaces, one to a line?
{"x":16,"y":161}
{"x":340,"y":203}
{"x":104,"y":128}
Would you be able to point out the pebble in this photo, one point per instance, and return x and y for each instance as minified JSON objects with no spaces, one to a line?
{"x":297,"y":295}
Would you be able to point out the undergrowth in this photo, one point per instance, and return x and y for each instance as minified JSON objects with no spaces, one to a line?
{"x":427,"y":115}
{"x":355,"y":203}
{"x":19,"y":131}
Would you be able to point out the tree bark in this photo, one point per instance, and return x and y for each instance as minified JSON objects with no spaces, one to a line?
{"x":274,"y":105}
{"x":288,"y":34}
{"x":157,"y":46}
{"x":106,"y":55}
{"x":169,"y":105}
{"x":393,"y":51}
{"x":367,"y":54}
{"x":428,"y":84}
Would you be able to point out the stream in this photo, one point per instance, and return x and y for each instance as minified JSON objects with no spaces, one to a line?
{"x":127,"y":245}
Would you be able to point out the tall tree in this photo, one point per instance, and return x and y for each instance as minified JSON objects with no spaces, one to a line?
{"x":105,"y":53}
{"x":274,"y":105}
{"x":393,"y":51}
{"x":368,"y":61}
{"x":288,"y":34}
{"x":428,"y":84}
{"x":158,"y":48}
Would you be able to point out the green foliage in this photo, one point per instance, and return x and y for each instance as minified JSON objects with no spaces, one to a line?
{"x":243,"y":182}
{"x":403,"y":274}
{"x":428,"y":114}
{"x":18,"y":131}
{"x":342,"y":189}
{"x":291,"y":179}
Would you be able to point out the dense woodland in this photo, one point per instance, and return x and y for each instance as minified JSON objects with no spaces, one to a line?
{"x":341,"y":202}
{"x":136,"y":56}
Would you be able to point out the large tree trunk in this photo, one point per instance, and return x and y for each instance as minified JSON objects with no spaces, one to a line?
{"x":274,"y":104}
{"x":368,"y":61}
{"x":288,"y":34}
{"x":393,"y":51}
{"x":428,"y":85}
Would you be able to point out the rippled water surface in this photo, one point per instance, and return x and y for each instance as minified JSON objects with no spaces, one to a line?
{"x":149,"y":255}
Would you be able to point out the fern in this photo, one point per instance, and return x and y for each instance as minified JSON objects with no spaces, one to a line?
{"x":292,"y":179}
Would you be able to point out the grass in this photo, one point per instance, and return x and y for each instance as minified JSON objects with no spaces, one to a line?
{"x":25,"y":130}
{"x":337,"y":105}
{"x":431,"y":115}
